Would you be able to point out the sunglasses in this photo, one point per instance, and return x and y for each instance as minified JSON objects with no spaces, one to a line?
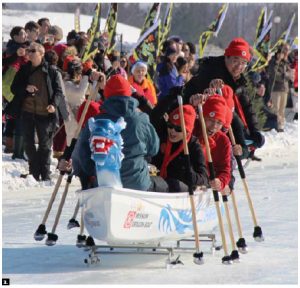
{"x":31,"y":50}
{"x":175,"y":127}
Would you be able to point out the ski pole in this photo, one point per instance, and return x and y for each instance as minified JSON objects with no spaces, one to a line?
{"x":257,"y":234}
{"x":41,"y":230}
{"x":226,"y":259}
{"x":52,"y":237}
{"x":58,"y":130}
{"x":81,"y":222}
{"x":234,"y":254}
{"x":197,"y":256}
{"x":246,"y":164}
{"x":241,"y":243}
{"x":81,"y":238}
{"x":73,"y":222}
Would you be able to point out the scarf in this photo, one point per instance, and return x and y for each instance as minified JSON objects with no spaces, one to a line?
{"x":168,"y":157}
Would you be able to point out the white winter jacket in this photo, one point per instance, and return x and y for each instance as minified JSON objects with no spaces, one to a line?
{"x":75,"y":96}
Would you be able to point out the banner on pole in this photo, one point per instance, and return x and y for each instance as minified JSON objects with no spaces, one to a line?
{"x":151,"y":17}
{"x":93,"y":35}
{"x":213,"y":29}
{"x":284,"y":36}
{"x":111,"y":24}
{"x":147,"y":47}
{"x":166,"y":25}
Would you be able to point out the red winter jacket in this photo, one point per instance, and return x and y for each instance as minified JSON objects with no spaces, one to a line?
{"x":220,"y":149}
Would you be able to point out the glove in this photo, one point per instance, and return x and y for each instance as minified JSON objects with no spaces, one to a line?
{"x":258,"y":139}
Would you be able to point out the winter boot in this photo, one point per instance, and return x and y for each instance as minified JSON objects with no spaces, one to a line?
{"x":33,"y":170}
{"x":9,"y":145}
{"x":295,"y":116}
{"x":45,"y":173}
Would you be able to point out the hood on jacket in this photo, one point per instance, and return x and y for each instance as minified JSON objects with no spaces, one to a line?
{"x":120,"y":106}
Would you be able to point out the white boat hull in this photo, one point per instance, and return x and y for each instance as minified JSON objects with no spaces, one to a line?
{"x":122,"y":216}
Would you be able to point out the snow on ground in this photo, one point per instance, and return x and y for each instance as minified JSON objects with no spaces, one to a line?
{"x":273,"y":187}
{"x":11,"y":18}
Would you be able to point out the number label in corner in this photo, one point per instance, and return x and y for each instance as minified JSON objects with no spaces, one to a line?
{"x":5,"y":281}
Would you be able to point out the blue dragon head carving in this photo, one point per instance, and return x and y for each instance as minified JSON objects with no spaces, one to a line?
{"x":106,"y":143}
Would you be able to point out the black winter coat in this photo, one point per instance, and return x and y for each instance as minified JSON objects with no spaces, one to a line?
{"x":212,"y":68}
{"x":177,"y":167}
{"x":18,"y":88}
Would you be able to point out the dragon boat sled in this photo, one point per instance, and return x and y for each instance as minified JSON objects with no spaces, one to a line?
{"x":125,"y":218}
{"x":130,"y":218}
{"x":122,"y":216}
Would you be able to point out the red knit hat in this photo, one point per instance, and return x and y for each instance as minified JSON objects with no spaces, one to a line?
{"x":87,"y":65}
{"x":215,"y":107}
{"x":227,"y":93}
{"x":189,"y":115}
{"x":238,"y":47}
{"x":68,"y":59}
{"x":117,"y":85}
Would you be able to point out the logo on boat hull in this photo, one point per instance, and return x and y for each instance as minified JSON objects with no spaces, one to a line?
{"x":180,"y":221}
{"x":129,"y":219}
{"x":137,"y":219}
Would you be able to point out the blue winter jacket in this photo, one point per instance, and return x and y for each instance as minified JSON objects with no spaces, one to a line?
{"x":166,"y":81}
{"x":140,"y":141}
